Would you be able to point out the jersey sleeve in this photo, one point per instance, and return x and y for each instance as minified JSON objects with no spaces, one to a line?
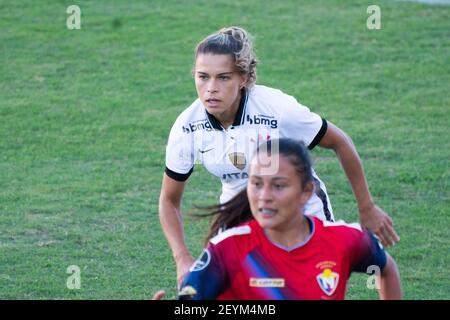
{"x":368,"y":252}
{"x":179,"y":154}
{"x":207,"y":277}
{"x":302,"y":124}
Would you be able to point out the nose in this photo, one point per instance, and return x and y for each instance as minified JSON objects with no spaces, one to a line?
{"x":212,"y":86}
{"x":265,"y":194}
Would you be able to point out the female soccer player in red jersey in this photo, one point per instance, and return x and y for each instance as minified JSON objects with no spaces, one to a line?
{"x":272,"y":250}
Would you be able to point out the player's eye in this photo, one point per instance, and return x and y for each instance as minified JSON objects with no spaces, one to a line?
{"x":279,"y":186}
{"x":257,"y":183}
{"x":202,"y":76}
{"x":224,"y":78}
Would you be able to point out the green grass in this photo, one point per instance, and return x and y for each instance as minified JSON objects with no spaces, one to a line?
{"x":85,"y":114}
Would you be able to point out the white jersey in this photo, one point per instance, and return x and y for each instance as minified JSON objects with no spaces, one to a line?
{"x":264,"y":113}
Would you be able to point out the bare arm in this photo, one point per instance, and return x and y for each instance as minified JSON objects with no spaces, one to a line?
{"x":172,"y":223}
{"x":159,"y":295}
{"x":370,"y":214}
{"x":390,"y":286}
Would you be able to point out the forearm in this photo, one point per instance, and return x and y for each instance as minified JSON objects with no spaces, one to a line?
{"x":390,"y":286}
{"x":370,"y":215}
{"x":351,"y":163}
{"x":172,"y":225}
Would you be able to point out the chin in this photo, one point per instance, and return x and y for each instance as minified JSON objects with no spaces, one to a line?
{"x":267,"y":223}
{"x":213,"y":110}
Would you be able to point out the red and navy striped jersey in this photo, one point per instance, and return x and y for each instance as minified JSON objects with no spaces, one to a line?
{"x":242,"y":263}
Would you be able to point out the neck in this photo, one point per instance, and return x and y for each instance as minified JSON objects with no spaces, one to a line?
{"x":292,"y":234}
{"x":226,"y":119}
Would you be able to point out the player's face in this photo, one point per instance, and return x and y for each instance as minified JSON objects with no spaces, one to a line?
{"x":218,"y":85}
{"x":276,"y":199}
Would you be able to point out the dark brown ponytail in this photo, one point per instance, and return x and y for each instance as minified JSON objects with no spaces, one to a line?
{"x":227,"y":215}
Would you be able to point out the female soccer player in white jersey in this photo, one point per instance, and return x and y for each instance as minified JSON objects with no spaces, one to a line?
{"x":223,"y":127}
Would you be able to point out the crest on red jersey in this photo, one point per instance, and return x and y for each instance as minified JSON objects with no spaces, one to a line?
{"x":328,"y":281}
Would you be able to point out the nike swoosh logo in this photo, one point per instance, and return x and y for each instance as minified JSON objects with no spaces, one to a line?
{"x":203,"y":151}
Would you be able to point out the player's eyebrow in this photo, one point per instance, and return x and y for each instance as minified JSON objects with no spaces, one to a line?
{"x":278,"y":178}
{"x":272,"y":178}
{"x":219,"y":74}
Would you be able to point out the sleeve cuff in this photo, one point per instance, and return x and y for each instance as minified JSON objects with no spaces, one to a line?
{"x":319,"y":135}
{"x":178,"y":176}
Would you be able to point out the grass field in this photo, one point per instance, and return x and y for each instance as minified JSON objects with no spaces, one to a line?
{"x":85,"y":114}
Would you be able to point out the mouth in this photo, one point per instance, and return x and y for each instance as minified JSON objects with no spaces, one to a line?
{"x":213,"y":101}
{"x":267,"y":212}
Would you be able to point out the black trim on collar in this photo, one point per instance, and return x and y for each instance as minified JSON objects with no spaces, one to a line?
{"x":237,"y":118}
{"x":319,"y":135}
{"x":214,"y":122}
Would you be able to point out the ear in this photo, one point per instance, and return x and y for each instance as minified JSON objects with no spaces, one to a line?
{"x":244,"y":82}
{"x":307,"y":192}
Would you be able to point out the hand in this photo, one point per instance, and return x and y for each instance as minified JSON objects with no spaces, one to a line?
{"x":378,"y":221}
{"x":183,"y":265}
{"x":159,"y":295}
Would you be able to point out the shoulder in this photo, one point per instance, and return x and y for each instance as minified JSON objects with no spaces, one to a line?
{"x":194,"y":112}
{"x":243,"y":232}
{"x":236,"y":233}
{"x":192,"y":119}
{"x":264,"y":92}
{"x":339,"y":229}
{"x":277,"y":101}
{"x":341,"y":224}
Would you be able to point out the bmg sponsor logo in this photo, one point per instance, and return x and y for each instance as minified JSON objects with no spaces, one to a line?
{"x":264,"y":120}
{"x":197,"y":126}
